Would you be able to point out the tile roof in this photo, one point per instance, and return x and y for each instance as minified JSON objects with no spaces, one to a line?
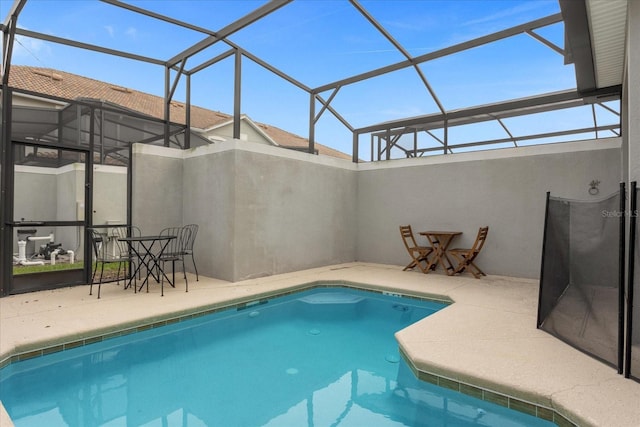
{"x":70,"y":86}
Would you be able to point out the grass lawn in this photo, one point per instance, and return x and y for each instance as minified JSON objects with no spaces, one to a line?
{"x":27,"y":269}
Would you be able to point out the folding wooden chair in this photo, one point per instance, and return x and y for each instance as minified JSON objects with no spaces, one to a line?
{"x":465,"y":257}
{"x":419,"y":254}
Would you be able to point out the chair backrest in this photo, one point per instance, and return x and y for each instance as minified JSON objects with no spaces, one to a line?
{"x":122,"y":248}
{"x":175,"y":246}
{"x":191,"y":230}
{"x":97,"y":243}
{"x":407,"y":237}
{"x":480,"y":239}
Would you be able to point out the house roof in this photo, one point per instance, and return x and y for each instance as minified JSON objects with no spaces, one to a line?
{"x":70,"y":86}
{"x":595,"y":41}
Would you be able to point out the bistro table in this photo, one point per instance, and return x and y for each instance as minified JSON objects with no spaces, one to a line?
{"x":440,"y":241}
{"x":149,"y":258}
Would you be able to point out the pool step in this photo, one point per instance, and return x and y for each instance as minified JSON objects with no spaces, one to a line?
{"x":331,"y":306}
{"x":331,"y":298}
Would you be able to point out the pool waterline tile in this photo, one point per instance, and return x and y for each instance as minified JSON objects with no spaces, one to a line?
{"x":501,"y":399}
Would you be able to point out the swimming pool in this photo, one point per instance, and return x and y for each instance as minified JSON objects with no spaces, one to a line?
{"x":320,"y":357}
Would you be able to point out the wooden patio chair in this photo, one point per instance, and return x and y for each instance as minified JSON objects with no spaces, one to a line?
{"x":465,"y":257}
{"x":419,"y":254}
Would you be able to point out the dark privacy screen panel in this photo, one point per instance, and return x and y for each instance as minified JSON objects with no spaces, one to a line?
{"x":579,"y":281}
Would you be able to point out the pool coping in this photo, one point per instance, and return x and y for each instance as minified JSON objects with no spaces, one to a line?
{"x":489,"y":395}
{"x":116,"y":330}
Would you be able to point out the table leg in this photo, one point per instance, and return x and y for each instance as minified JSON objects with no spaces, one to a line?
{"x":440,"y":244}
{"x":152,"y":263}
{"x":435,"y":259}
{"x":445,"y":262}
{"x":149,"y":262}
{"x":161,"y":274}
{"x":134,"y":274}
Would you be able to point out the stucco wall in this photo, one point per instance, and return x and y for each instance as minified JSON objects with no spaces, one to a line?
{"x":69,"y":191}
{"x":109,"y":194}
{"x":157,"y":189}
{"x":263,"y":210}
{"x":291,"y":214}
{"x":503,"y":189}
{"x":209,"y":194}
{"x":35,"y":193}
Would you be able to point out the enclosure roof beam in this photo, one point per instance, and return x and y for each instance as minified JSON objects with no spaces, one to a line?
{"x":272,"y":69}
{"x":398,"y":46}
{"x":10,"y":25}
{"x":160,"y":17}
{"x":211,"y":61}
{"x":215,"y":36}
{"x":73,"y":43}
{"x":523,"y":138}
{"x":241,"y":23}
{"x":513,"y":108}
{"x":509,"y":32}
{"x":15,"y":10}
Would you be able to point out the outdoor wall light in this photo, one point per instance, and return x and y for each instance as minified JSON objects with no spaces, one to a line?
{"x":593,"y":187}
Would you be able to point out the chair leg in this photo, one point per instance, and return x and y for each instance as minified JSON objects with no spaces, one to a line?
{"x":118,"y":274}
{"x":467,"y":264}
{"x":93,"y":278}
{"x":475,"y":270}
{"x":194,"y":266}
{"x":410,"y":266}
{"x":184,"y":271}
{"x":100,"y":280}
{"x":161,"y":276}
{"x":461,"y":261}
{"x":417,"y":263}
{"x":130,"y":275}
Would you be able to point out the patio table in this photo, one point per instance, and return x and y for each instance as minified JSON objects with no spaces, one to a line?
{"x":440,"y":241}
{"x":149,"y":258}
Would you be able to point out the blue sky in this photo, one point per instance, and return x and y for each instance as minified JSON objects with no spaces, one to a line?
{"x":315,"y":42}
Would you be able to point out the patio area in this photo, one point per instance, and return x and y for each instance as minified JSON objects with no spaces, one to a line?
{"x":485,"y":343}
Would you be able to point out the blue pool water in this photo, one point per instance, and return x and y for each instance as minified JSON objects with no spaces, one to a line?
{"x":324,"y":357}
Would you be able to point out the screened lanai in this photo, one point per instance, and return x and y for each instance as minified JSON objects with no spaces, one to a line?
{"x":363,"y":78}
{"x":228,"y":56}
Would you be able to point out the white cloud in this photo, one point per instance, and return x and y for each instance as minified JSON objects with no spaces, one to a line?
{"x":132,"y":32}
{"x":507,"y":13}
{"x":28,"y":48}
{"x":110,"y":30}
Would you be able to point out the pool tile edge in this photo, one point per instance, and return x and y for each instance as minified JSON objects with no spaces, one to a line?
{"x":511,"y":402}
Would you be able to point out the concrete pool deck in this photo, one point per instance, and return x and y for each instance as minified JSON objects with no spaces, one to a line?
{"x":485,"y":341}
